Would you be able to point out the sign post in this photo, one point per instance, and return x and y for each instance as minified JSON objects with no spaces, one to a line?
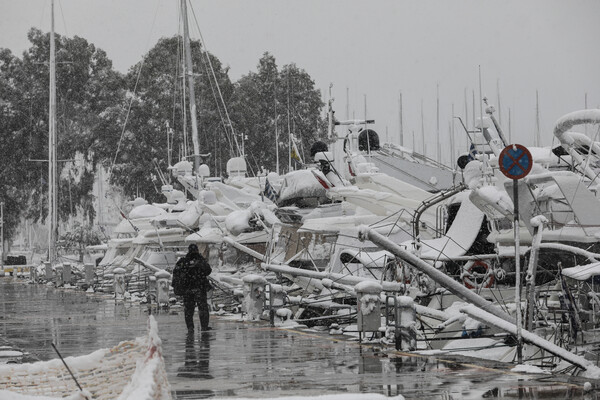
{"x":515,"y":162}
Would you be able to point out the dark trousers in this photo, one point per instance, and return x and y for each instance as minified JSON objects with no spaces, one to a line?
{"x":190,"y":301}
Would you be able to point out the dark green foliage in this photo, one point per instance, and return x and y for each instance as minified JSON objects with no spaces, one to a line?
{"x":158,"y":103}
{"x":95,"y":103}
{"x":86,"y":86}
{"x":266,"y":98}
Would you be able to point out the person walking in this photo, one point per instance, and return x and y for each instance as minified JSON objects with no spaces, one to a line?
{"x":190,"y":280}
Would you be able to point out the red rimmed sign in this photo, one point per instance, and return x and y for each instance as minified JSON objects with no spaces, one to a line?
{"x":515,"y":161}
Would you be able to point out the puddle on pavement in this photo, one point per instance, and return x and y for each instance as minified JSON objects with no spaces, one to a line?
{"x":251,"y":359}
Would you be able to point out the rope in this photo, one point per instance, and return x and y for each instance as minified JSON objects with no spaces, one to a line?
{"x":216,"y":82}
{"x":132,"y":98}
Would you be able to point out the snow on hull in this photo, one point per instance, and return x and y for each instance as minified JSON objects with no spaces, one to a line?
{"x":132,"y":370}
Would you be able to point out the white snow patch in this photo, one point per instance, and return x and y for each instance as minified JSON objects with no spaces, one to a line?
{"x":582,"y":272}
{"x":529,"y":369}
{"x":146,"y":211}
{"x":538,"y":221}
{"x":368,"y":286}
{"x":10,"y":353}
{"x":238,"y":221}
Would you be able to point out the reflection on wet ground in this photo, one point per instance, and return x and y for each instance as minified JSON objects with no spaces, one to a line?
{"x":252,"y":359}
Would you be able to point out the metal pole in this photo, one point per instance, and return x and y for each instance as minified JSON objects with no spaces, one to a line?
{"x":276,"y":131}
{"x":2,"y":233}
{"x":400,"y":122}
{"x":440,"y":277}
{"x":52,"y":204}
{"x":437,"y":126}
{"x":191,"y":84}
{"x":517,"y":271}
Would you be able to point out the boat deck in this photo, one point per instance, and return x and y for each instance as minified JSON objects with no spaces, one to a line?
{"x":251,"y":359}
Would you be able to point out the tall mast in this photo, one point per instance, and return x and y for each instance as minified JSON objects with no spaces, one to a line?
{"x":288,"y":124}
{"x":537,"y":120}
{"x":452,"y":143}
{"x":400,"y":120}
{"x":499,"y":103}
{"x":423,"y":131}
{"x":52,"y":209}
{"x":509,"y":127}
{"x":585,"y":104}
{"x":466,"y":111}
{"x":474,"y":112}
{"x":347,"y":102}
{"x":276,"y":128}
{"x":190,"y":76}
{"x":437,"y":125}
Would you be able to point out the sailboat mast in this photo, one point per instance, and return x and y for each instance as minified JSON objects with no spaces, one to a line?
{"x":400,"y":120}
{"x":423,"y":148}
{"x":52,"y":204}
{"x":537,"y":120}
{"x":438,"y":148}
{"x":289,"y":126}
{"x":190,"y":76}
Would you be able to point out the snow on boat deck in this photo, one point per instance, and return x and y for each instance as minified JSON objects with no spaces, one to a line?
{"x":252,"y":360}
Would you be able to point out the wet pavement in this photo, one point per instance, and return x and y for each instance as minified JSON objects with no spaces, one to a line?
{"x":251,"y":359}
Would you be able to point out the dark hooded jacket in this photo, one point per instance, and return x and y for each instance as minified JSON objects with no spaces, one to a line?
{"x":191,"y":273}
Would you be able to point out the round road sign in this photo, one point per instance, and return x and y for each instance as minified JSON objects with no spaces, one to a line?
{"x":515,"y":161}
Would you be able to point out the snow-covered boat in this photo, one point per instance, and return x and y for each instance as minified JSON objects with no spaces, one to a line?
{"x":131,"y":370}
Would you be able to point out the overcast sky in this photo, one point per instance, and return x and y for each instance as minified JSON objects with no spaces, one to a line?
{"x":371,"y":48}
